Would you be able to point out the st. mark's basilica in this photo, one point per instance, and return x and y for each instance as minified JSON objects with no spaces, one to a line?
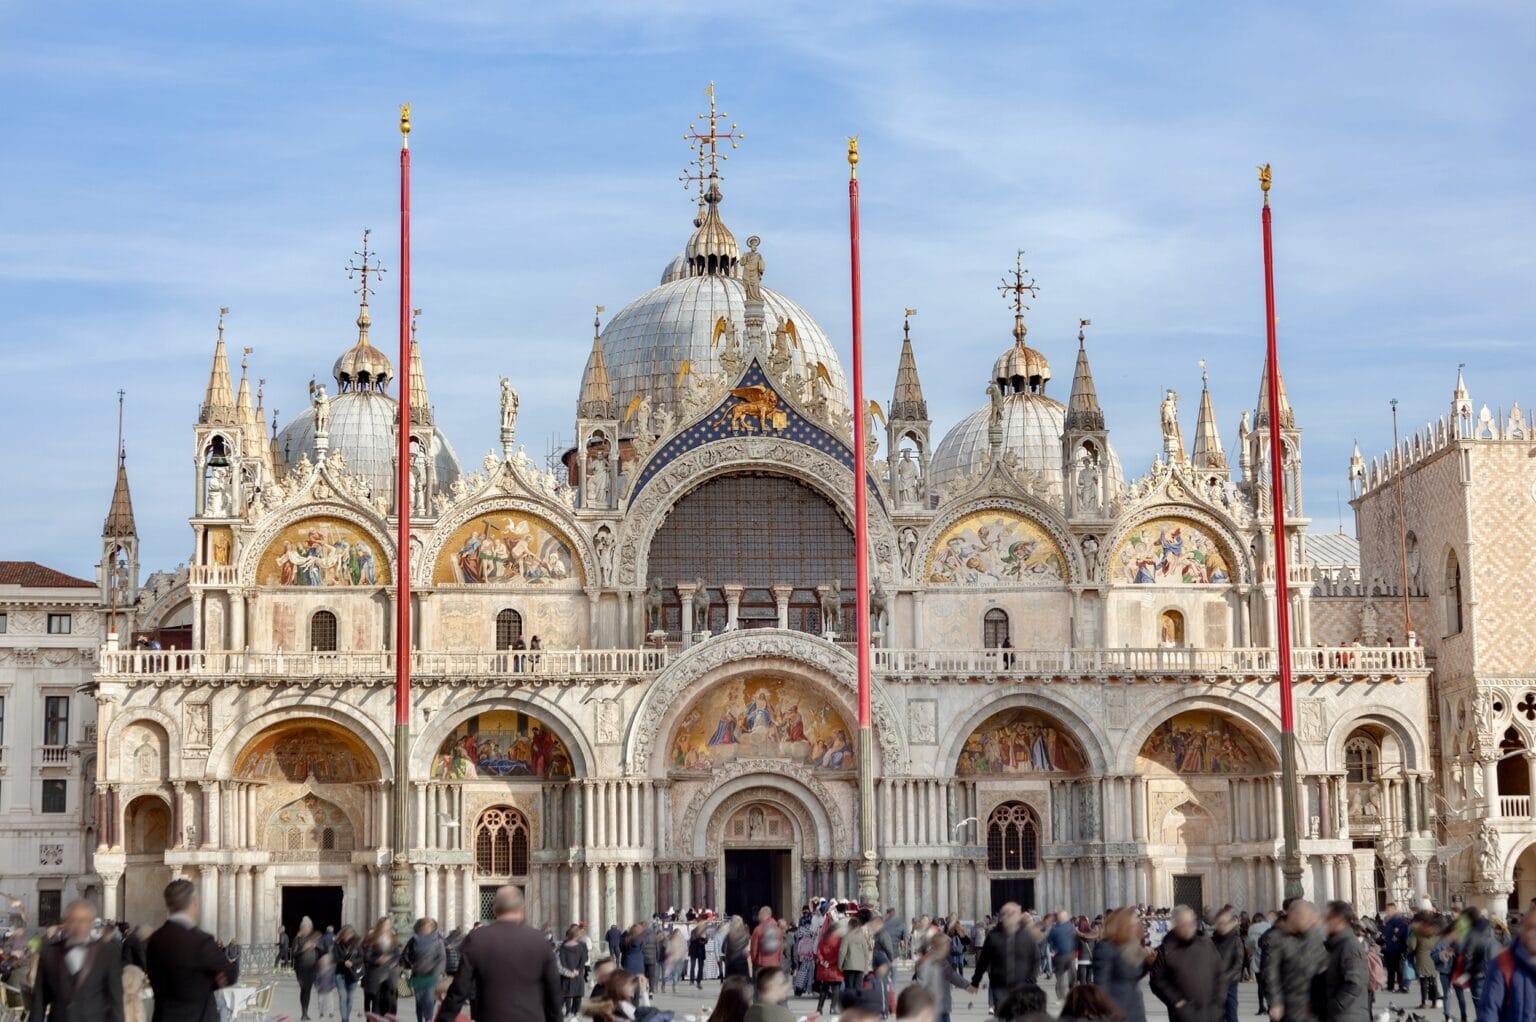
{"x":634,"y":681}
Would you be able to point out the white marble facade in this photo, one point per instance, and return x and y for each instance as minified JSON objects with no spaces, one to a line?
{"x":1120,"y":748}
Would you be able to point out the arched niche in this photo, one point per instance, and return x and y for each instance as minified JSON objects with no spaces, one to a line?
{"x":309,"y":825}
{"x":995,"y":547}
{"x":1204,"y":742}
{"x":508,"y":548}
{"x":323,"y":551}
{"x":144,"y":752}
{"x":1020,"y":741}
{"x":502,"y":744}
{"x":307,"y":750}
{"x":761,"y":717}
{"x":1171,"y":550}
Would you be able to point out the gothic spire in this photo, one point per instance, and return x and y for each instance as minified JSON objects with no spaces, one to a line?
{"x":245,"y":412}
{"x":421,"y":406}
{"x":1261,"y":416}
{"x":119,"y":523}
{"x":219,"y":401}
{"x":1208,"y":455}
{"x":907,"y":401}
{"x":596,"y":401}
{"x":1083,"y":412}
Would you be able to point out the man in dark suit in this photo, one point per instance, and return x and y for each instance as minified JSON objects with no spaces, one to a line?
{"x":79,"y":978}
{"x":506,"y":970}
{"x":186,"y":965}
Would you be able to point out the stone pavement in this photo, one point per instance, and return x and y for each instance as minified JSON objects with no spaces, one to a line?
{"x":691,"y":1004}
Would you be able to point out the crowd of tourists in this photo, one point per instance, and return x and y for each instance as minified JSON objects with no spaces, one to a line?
{"x":1309,"y":964}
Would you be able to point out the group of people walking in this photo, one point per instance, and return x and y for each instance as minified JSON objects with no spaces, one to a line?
{"x":1311,"y":965}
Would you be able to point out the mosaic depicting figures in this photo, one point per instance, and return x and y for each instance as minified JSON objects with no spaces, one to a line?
{"x":506,"y":548}
{"x":311,"y":750}
{"x":995,"y":547}
{"x":323,"y":552}
{"x":501,"y":743}
{"x":1019,"y":742}
{"x":1170,"y":551}
{"x":1204,"y":743}
{"x":762,"y":718}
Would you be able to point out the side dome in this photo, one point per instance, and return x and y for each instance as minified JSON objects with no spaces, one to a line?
{"x":647,"y":341}
{"x":362,"y":428}
{"x":1032,"y":429}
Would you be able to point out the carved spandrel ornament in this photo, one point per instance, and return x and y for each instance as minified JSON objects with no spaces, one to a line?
{"x":1311,"y":720}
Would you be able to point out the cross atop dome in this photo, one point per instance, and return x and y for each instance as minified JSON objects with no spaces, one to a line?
{"x":365,"y":269}
{"x":706,"y":145}
{"x":1018,"y":289}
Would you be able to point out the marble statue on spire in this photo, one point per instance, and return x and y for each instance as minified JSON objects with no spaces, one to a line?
{"x":751,"y":268}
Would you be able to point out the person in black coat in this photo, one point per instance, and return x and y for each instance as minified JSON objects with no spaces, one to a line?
{"x":506,"y":970}
{"x":79,"y":979}
{"x":186,"y":965}
{"x":1345,"y":986}
{"x":1188,"y":975}
{"x":1010,"y":956}
{"x":1228,"y":940}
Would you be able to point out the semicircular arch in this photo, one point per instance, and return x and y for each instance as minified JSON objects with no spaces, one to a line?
{"x":827,"y":668}
{"x":1084,"y":730}
{"x":341,"y":521}
{"x":429,"y":744}
{"x":561,"y":527}
{"x":1381,"y":715}
{"x":1257,"y":722}
{"x":292,"y":709}
{"x":1212,"y":528}
{"x":1009,"y":512}
{"x":824,"y":474}
{"x":808,"y":800}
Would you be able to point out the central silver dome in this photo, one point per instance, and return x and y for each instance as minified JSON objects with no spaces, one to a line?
{"x":362,"y":428}
{"x":645,"y":344}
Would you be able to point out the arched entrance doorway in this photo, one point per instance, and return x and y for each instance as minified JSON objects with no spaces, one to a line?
{"x":313,"y":797}
{"x":759,"y":854}
{"x":146,"y":837}
{"x":1210,"y":790}
{"x":1020,"y":760}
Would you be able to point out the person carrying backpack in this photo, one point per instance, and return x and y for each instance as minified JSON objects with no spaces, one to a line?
{"x":767,"y":946}
{"x":1509,"y":992}
{"x":425,"y":959}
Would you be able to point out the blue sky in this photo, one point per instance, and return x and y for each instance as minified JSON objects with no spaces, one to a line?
{"x":160,"y":160}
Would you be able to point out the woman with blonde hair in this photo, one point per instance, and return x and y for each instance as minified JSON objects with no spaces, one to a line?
{"x":1120,"y":961}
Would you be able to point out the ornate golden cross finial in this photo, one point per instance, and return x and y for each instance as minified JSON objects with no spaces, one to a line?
{"x":1264,"y":181}
{"x":223,"y":311}
{"x":365,"y":268}
{"x":1017,"y":287}
{"x":706,"y":145}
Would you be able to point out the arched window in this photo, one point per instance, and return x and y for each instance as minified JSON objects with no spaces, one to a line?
{"x":1452,"y":594}
{"x":509,"y":628}
{"x":322,"y":632}
{"x":1170,"y":629}
{"x":1361,"y":759}
{"x":1013,"y":839}
{"x":501,"y":843}
{"x":994,"y":628}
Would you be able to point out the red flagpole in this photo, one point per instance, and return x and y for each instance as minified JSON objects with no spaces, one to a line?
{"x":1291,"y":865}
{"x":860,"y":489}
{"x":403,"y":484}
{"x":869,"y":873}
{"x":400,"y":824}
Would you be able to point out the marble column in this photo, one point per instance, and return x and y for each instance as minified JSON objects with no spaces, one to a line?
{"x":243,"y":904}
{"x":918,"y":632}
{"x":733,"y":605}
{"x":685,"y":593}
{"x":599,"y":918}
{"x":781,"y":595}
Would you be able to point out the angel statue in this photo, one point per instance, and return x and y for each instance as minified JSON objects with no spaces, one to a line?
{"x":995,"y":398}
{"x":508,"y":406}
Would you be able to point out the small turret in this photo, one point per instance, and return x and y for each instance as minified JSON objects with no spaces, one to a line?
{"x":219,"y":401}
{"x":908,"y":430}
{"x":596,"y":469}
{"x":1461,"y":407}
{"x":117,"y":576}
{"x":421,"y":405}
{"x":1209,"y":459}
{"x":1085,"y":442}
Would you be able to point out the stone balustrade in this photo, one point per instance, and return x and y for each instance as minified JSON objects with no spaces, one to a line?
{"x":1344,"y":663}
